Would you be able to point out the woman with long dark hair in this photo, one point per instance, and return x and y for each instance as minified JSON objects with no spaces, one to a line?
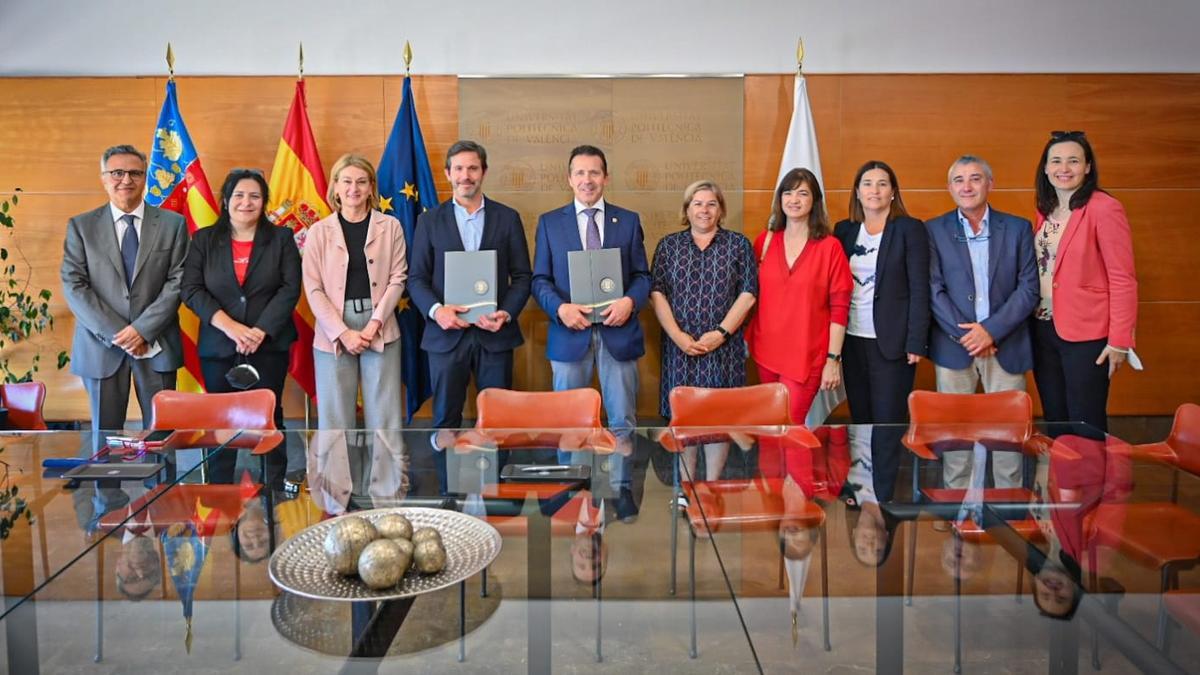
{"x":242,"y":279}
{"x":804,"y":285}
{"x":1083,"y":327}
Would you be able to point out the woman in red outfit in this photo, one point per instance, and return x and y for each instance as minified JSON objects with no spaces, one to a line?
{"x":804,"y":288}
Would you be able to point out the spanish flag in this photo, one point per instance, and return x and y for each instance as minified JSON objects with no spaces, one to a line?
{"x":298,"y":188}
{"x":177,"y":183}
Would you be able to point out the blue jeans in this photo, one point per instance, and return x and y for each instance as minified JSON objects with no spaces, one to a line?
{"x":618,"y":388}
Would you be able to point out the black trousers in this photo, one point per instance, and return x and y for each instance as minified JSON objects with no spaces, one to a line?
{"x":877,"y":390}
{"x":272,"y":371}
{"x":877,"y":387}
{"x":1072,"y":387}
{"x":451,"y":372}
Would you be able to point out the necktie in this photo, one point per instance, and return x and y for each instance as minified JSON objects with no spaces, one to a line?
{"x":129,"y":250}
{"x":593,"y":230}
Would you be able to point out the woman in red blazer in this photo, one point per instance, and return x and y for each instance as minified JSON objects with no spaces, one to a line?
{"x":804,"y":289}
{"x":1084,"y":323}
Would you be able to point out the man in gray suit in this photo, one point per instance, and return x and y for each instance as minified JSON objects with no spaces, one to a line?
{"x":122,"y":266}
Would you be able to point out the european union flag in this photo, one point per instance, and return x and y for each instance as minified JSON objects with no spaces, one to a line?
{"x":406,"y":190}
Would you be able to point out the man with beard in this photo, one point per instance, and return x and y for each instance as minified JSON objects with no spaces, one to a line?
{"x":468,"y":222}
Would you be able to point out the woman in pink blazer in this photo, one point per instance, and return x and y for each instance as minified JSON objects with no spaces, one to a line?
{"x":354,"y":271}
{"x":1084,"y":323}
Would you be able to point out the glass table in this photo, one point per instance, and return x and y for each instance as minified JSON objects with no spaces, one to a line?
{"x":742,"y":550}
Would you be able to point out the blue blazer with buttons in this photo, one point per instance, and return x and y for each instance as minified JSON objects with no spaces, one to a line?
{"x":437,"y":233}
{"x":558,"y":233}
{"x":1013,"y":290}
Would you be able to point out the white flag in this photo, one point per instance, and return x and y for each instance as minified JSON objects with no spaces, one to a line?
{"x":801,"y":151}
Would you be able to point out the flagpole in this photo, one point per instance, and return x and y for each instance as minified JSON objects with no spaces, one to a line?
{"x":407,"y":58}
{"x":170,"y":64}
{"x":800,"y":56}
{"x":301,"y":75}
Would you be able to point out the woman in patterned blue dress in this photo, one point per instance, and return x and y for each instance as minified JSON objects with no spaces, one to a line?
{"x":704,"y":281}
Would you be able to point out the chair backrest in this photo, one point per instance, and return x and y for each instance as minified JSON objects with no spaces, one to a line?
{"x":756,"y":405}
{"x":1004,"y":416}
{"x":507,"y":409}
{"x":253,"y":409}
{"x":24,"y":401}
{"x":1185,"y":437}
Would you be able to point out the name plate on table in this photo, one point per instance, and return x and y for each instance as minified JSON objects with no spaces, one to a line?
{"x":596,"y":279}
{"x":471,"y":282}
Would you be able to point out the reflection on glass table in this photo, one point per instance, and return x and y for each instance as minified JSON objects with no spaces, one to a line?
{"x":580,"y":579}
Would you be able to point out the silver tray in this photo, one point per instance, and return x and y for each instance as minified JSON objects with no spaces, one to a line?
{"x":299,"y":565}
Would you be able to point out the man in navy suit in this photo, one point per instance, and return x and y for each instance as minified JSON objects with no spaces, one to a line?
{"x":576,"y":345}
{"x":984,"y":288}
{"x":468,"y":222}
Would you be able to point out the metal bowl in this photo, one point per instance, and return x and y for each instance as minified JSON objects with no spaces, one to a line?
{"x":299,"y":565}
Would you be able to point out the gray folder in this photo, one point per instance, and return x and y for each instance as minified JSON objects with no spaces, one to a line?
{"x":471,"y":282}
{"x":596,"y":279}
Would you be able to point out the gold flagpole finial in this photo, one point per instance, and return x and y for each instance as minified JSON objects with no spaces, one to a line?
{"x":170,"y":63}
{"x":799,"y":55}
{"x":301,"y":76}
{"x":407,"y":58}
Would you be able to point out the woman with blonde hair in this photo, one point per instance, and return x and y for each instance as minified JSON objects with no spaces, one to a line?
{"x":703,"y":284}
{"x":354,"y":272}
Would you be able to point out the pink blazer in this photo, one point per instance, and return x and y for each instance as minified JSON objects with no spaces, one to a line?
{"x":1095,"y":287}
{"x":324,"y":263}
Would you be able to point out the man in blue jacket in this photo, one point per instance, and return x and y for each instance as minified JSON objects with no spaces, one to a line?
{"x":468,"y":222}
{"x":984,"y":288}
{"x":575,"y":345}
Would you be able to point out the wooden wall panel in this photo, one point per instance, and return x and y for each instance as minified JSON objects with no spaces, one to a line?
{"x":52,"y":131}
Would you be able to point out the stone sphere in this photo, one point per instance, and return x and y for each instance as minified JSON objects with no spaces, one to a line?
{"x":394,"y":526}
{"x":429,"y":557}
{"x":425,"y":534}
{"x":406,"y":553}
{"x":379,"y":565}
{"x":346,"y":541}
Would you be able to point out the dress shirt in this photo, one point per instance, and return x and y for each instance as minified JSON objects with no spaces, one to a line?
{"x":582,"y":219}
{"x":470,"y":225}
{"x":139,"y":214}
{"x":977,"y":248}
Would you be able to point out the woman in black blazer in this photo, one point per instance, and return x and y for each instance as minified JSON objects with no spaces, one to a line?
{"x":242,"y":278}
{"x":888,"y":331}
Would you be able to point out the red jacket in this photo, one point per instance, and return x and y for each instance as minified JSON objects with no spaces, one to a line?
{"x":1095,"y":288}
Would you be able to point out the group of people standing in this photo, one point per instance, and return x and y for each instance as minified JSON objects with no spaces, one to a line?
{"x":986,"y":295}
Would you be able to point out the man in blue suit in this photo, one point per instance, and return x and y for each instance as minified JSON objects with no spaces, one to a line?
{"x":468,"y":222}
{"x":984,"y":288}
{"x":575,"y":345}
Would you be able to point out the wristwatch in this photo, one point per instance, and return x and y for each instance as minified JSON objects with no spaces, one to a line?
{"x":724,"y":333}
{"x":837,"y":358}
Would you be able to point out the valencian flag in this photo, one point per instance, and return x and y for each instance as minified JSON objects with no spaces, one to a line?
{"x":177,"y":183}
{"x":298,"y":188}
{"x":406,"y":190}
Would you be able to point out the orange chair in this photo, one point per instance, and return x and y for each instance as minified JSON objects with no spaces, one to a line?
{"x":24,"y":401}
{"x":1157,"y":535}
{"x":695,"y":408}
{"x":1181,"y":448}
{"x":507,"y":409}
{"x":999,"y":418}
{"x":211,"y":417}
{"x":568,"y":419}
{"x":704,"y":415}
